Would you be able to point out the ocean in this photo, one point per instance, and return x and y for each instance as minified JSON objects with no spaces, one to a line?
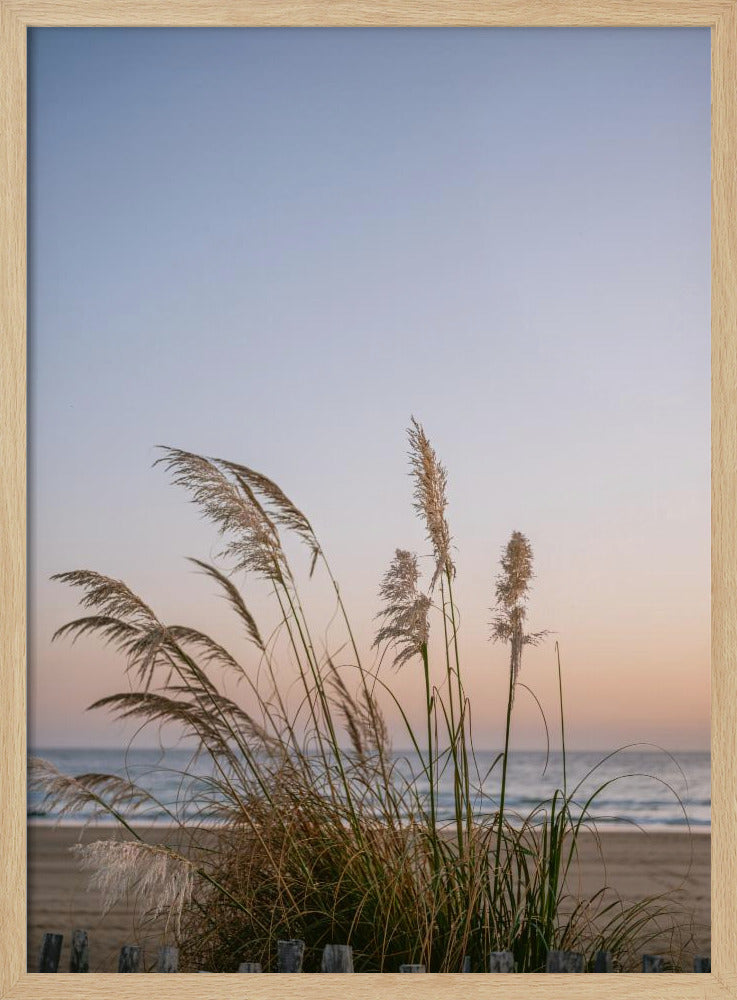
{"x":642,"y":787}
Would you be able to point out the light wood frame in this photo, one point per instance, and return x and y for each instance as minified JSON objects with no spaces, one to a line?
{"x":18,"y":15}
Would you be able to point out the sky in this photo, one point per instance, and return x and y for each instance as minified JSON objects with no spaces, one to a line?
{"x":277,"y":245}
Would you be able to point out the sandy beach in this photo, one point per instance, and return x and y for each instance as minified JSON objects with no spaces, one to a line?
{"x":636,"y":865}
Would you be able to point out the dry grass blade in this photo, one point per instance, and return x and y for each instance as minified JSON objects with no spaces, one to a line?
{"x":235,"y":600}
{"x":350,"y":711}
{"x":210,"y":651}
{"x":377,"y":728}
{"x":234,"y":722}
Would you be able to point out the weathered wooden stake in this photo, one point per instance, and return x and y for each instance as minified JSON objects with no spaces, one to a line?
{"x":565,"y":961}
{"x":250,"y":967}
{"x":130,"y":958}
{"x":289,"y":955}
{"x":702,"y":963}
{"x":466,"y":964}
{"x":168,"y":960}
{"x":603,"y":962}
{"x":652,"y":963}
{"x":337,"y":958}
{"x":48,"y":959}
{"x":501,"y":961}
{"x":79,"y":960}
{"x":412,"y":968}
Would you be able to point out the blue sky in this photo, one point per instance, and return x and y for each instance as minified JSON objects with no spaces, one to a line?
{"x":276,"y":245}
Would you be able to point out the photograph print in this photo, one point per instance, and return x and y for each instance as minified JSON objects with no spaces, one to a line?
{"x":369,"y":500}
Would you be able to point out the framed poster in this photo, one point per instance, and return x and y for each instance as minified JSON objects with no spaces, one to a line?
{"x":324,"y":249}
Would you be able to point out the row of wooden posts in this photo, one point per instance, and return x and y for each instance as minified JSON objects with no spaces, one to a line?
{"x":335,"y":958}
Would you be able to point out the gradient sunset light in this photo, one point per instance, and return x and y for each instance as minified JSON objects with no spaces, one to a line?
{"x":277,"y":245}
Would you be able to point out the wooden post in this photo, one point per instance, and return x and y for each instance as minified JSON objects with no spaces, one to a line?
{"x":501,"y":961}
{"x":48,"y":959}
{"x":412,"y":968}
{"x":702,"y":963}
{"x":603,"y":962}
{"x":168,"y":960}
{"x":289,"y":955}
{"x":130,"y":958}
{"x":565,"y":961}
{"x":652,"y":963}
{"x":466,"y":963}
{"x":250,"y":967}
{"x":79,"y":960}
{"x":337,"y":958}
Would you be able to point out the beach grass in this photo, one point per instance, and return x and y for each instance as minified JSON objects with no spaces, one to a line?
{"x":322,"y":836}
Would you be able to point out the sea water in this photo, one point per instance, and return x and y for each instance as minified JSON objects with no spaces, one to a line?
{"x":643,"y":788}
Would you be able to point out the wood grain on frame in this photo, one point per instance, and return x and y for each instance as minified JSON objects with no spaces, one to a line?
{"x":378,"y":13}
{"x":15,"y":18}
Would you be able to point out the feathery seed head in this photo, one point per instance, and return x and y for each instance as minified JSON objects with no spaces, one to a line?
{"x":280,"y":507}
{"x":103,"y":793}
{"x":512,"y":586}
{"x":162,"y":879}
{"x":430,"y":500}
{"x":109,"y":597}
{"x":514,"y":580}
{"x":405,"y":612}
{"x":233,"y":508}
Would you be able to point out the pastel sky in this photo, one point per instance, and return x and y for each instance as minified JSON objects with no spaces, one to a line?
{"x":277,"y":245}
